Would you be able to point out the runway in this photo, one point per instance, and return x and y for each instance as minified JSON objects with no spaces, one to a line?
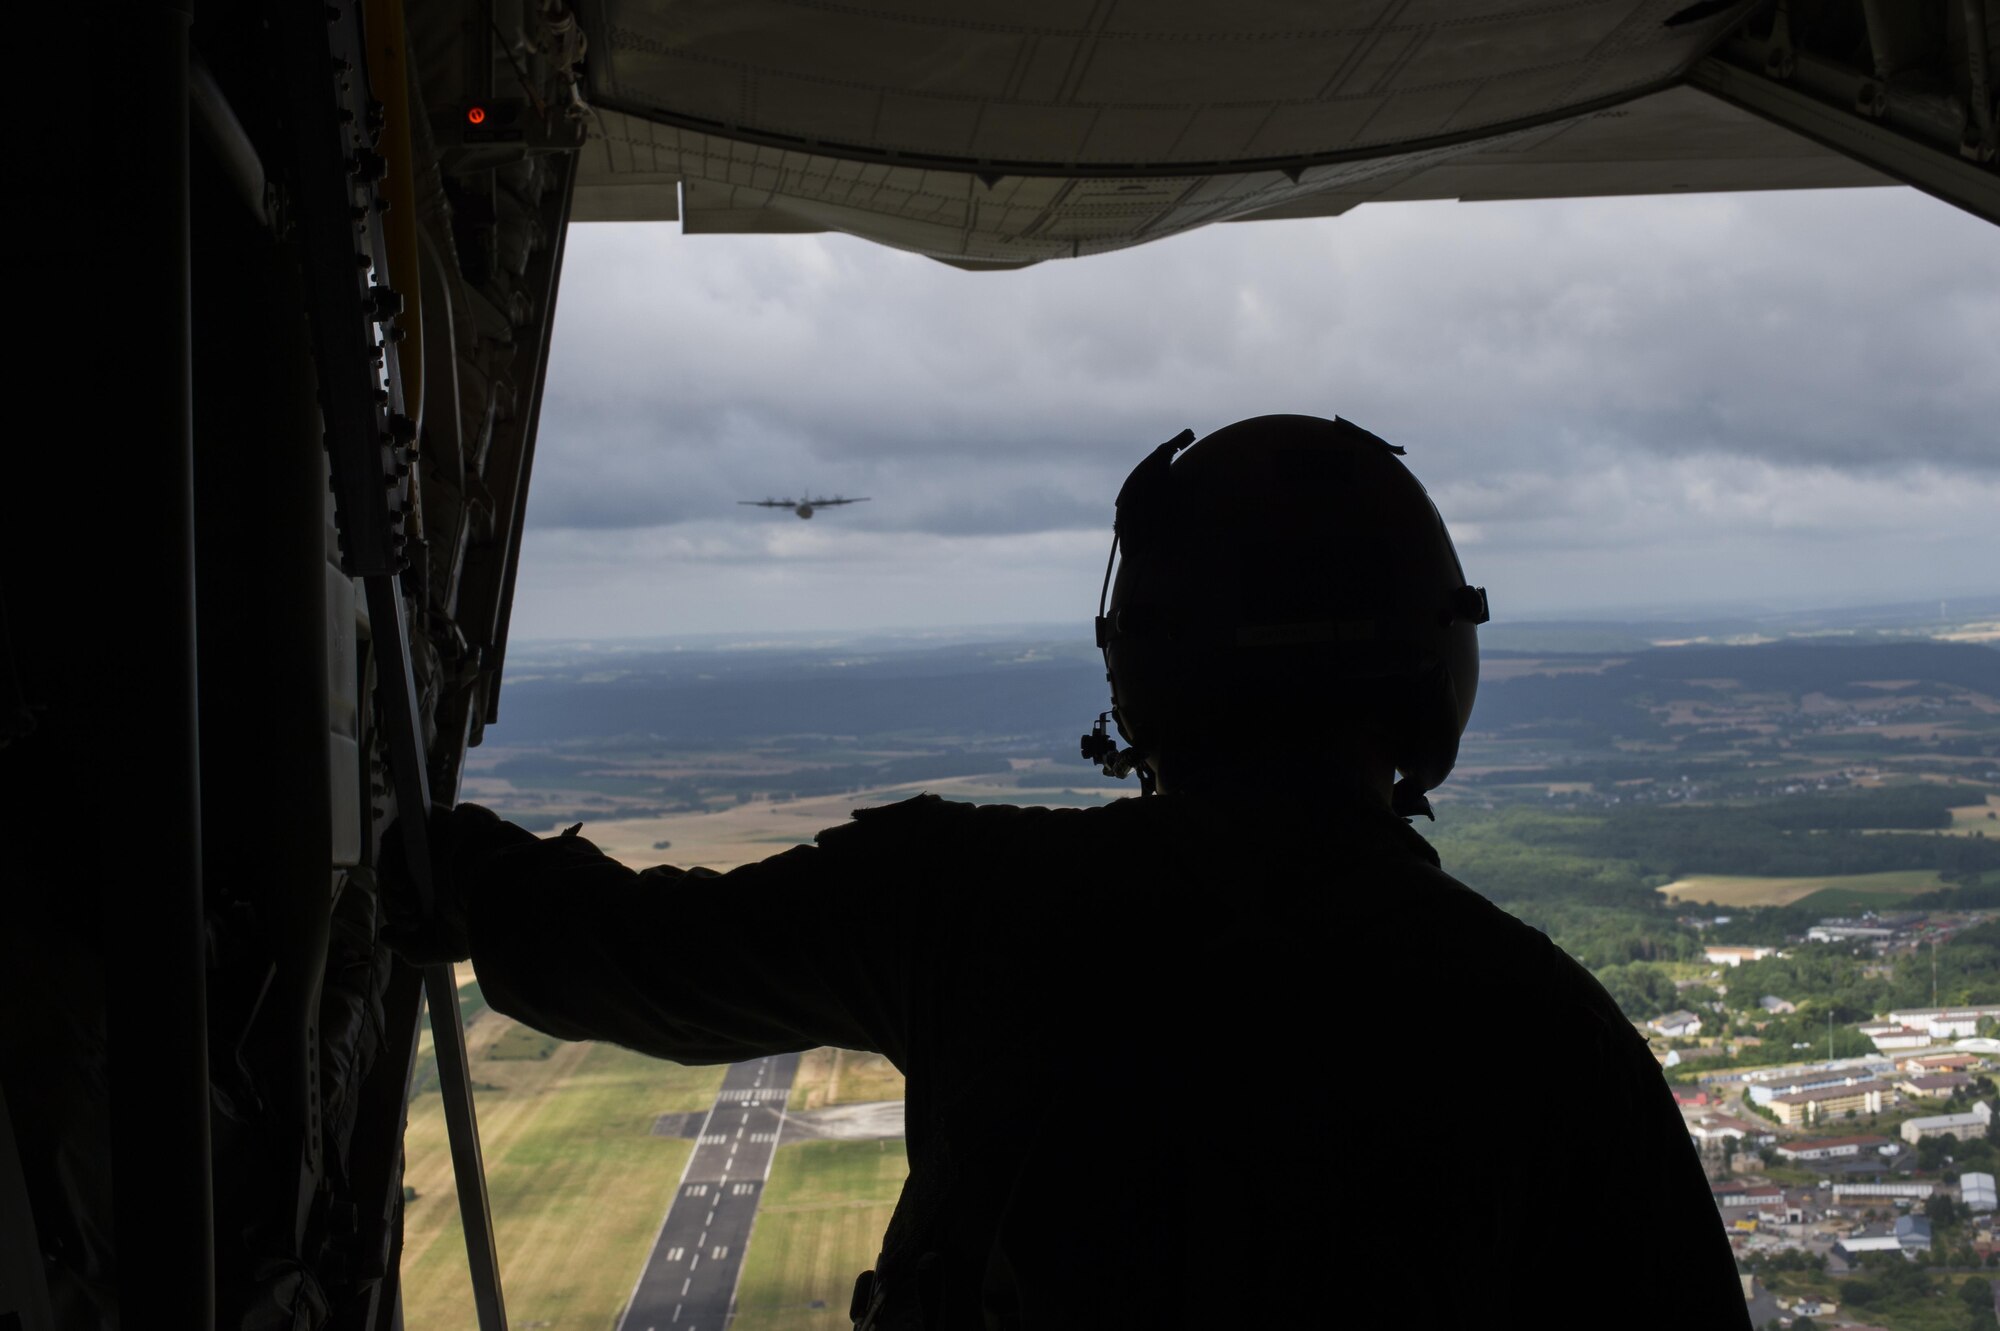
{"x":689,"y":1281}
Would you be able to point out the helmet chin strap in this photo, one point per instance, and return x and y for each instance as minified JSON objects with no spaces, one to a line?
{"x":1408,"y":800}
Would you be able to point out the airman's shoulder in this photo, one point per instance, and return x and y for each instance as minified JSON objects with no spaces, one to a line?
{"x":927,"y":817}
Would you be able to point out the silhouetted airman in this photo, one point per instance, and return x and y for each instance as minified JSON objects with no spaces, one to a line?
{"x":1235,"y":1054}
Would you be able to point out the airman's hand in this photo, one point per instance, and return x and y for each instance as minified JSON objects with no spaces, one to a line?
{"x":462,"y":840}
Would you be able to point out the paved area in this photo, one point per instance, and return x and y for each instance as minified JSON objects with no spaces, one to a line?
{"x":689,"y":1281}
{"x":873,"y":1120}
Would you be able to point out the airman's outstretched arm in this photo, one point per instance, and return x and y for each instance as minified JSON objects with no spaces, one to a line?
{"x":789,"y":953}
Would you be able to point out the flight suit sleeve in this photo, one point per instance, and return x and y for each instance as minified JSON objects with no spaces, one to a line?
{"x":790,"y":953}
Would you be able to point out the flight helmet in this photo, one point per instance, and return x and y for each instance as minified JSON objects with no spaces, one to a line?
{"x":1285,"y":578}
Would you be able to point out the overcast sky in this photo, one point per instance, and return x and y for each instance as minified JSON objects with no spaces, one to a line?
{"x":1788,"y":400}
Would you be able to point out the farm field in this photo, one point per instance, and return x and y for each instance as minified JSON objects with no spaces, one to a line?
{"x":1967,"y":819}
{"x":1833,"y":891}
{"x":577,"y":1181}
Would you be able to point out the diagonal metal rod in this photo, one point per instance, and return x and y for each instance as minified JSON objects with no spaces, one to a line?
{"x":397,"y":698}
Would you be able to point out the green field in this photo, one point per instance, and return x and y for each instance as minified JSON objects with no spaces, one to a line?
{"x":1982,"y":818}
{"x":820,"y":1224}
{"x":578,"y":1182}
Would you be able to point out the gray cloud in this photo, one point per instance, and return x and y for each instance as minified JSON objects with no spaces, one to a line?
{"x":1611,"y":376}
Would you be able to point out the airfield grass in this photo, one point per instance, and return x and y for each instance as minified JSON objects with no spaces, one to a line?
{"x":842,"y":1077}
{"x":520,"y":1042}
{"x":819,"y":1225}
{"x":1834,"y":891}
{"x":577,"y":1181}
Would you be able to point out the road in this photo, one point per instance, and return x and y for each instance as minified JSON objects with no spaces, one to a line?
{"x":689,"y":1281}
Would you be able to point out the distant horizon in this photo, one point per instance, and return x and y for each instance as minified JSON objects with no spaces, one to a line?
{"x":1970,"y":603}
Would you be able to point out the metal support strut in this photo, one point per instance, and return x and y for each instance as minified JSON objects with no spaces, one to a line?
{"x":397,"y":698}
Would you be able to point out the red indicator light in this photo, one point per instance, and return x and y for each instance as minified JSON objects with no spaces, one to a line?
{"x":475,"y":115}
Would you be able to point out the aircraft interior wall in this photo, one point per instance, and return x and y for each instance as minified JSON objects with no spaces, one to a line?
{"x":257,"y":554}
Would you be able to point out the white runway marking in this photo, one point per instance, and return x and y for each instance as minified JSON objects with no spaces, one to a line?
{"x":734,"y":1180}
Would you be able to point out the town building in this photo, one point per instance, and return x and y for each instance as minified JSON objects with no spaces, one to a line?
{"x":1831,"y":1148}
{"x":1860,"y":1068}
{"x":1676,"y":1025}
{"x":1903,"y":1190}
{"x":1829,"y":1102}
{"x":1776,"y":1006}
{"x":1973,"y":1123}
{"x":1899,"y":1037}
{"x":1934,"y":1085}
{"x":1958,"y":1021}
{"x":1978,"y":1192}
{"x":1725,"y":954}
{"x":1714,"y":1128}
{"x":1763,"y":1093}
{"x":1922,"y":1063}
{"x":1875,"y":1238}
{"x":1895,"y":1238}
{"x":1851,"y":931}
{"x":1733,"y":1193}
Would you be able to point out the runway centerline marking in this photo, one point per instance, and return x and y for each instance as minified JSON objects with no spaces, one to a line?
{"x":696,"y":1225}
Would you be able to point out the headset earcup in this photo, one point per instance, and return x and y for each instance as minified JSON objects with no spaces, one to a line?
{"x":1429,"y":716}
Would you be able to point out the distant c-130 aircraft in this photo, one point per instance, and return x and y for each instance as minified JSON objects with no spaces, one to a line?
{"x":803,"y":507}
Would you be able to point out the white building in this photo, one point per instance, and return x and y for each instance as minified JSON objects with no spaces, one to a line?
{"x":1900,"y":1037}
{"x":1864,"y":1097}
{"x":1837,"y":931}
{"x":1830,"y":1148}
{"x":1726,"y":954}
{"x":1954,"y":1017}
{"x":1903,"y":1190}
{"x":1762,"y":1093}
{"x":1979,"y":1192}
{"x":1798,"y":1075}
{"x":1737,"y":1192}
{"x":1715,"y":1127}
{"x":1677,"y":1025}
{"x":1970,"y":1124}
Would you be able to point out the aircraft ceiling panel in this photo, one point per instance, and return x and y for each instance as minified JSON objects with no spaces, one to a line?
{"x":1679,"y":140}
{"x":1186,"y":86}
{"x":1675,"y":142}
